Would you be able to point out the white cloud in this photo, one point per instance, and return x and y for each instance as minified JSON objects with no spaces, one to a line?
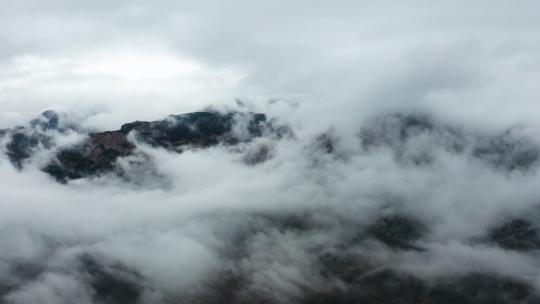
{"x":315,"y":65}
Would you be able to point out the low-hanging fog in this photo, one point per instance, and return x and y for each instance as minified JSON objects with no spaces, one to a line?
{"x":398,"y":163}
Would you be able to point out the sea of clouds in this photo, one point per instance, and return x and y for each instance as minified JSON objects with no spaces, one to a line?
{"x":333,"y":72}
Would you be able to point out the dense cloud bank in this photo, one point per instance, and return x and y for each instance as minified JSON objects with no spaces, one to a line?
{"x":271,"y":152}
{"x":404,"y":209}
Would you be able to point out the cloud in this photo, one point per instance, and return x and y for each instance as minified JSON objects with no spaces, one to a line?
{"x":271,"y":226}
{"x":416,"y":114}
{"x":355,"y":56}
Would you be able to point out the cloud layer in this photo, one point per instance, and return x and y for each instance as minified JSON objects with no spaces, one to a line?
{"x":412,"y":161}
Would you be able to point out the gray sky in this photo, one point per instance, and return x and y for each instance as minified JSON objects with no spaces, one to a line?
{"x":320,"y":66}
{"x":469,"y":60}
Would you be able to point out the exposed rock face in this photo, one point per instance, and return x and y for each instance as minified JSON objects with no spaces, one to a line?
{"x":96,"y":155}
{"x":197,"y":130}
{"x":21,"y":145}
{"x":335,"y":257}
{"x":99,"y":152}
{"x":201,"y":129}
{"x":24,"y":140}
{"x":413,"y":139}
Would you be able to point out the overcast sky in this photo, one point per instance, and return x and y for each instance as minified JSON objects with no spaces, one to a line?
{"x":318,"y":66}
{"x":113,"y":59}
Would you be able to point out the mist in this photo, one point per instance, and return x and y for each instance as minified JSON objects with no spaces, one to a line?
{"x":397,"y":160}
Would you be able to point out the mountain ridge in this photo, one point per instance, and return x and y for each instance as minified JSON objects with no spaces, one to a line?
{"x":98,"y":152}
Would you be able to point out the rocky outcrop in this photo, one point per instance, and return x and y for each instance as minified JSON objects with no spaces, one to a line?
{"x":99,"y":152}
{"x":95,"y":155}
{"x":414,"y":140}
{"x":200,"y":129}
{"x":25,"y":140}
